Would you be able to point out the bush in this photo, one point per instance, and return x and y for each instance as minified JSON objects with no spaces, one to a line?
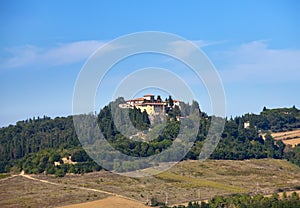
{"x":60,"y":173}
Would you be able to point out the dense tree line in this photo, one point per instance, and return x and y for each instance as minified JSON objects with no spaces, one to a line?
{"x":293,"y":155}
{"x":34,"y":143}
{"x":140,"y":120}
{"x":44,"y":162}
{"x":247,"y":201}
{"x":239,"y":143}
{"x":276,"y":120}
{"x":33,"y":135}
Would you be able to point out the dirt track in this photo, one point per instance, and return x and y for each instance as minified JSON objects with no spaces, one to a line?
{"x":103,"y":188}
{"x":115,"y":200}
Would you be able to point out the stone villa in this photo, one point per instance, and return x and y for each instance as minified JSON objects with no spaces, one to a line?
{"x":149,"y":104}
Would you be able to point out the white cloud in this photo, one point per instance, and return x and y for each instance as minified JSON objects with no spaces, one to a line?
{"x":204,"y":43}
{"x":61,"y":54}
{"x":68,"y":53}
{"x":184,"y":49}
{"x":255,"y":61}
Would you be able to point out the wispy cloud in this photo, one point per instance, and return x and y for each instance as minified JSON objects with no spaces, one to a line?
{"x":184,"y":49}
{"x":253,"y":61}
{"x":68,"y":53}
{"x":257,"y":62}
{"x":61,"y":54}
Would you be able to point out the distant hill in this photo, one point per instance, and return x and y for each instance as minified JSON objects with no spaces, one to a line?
{"x":276,"y":120}
{"x":34,"y":145}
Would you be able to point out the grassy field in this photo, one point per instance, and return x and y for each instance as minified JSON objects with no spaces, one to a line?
{"x":289,"y":137}
{"x":4,"y":175}
{"x":109,"y":202}
{"x":286,"y":135}
{"x":187,"y":181}
{"x":22,"y":192}
{"x":292,"y":142}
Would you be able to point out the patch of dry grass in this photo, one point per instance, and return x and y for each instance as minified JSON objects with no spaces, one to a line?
{"x":4,"y":175}
{"x":186,"y":181}
{"x":286,"y":135}
{"x":22,"y":192}
{"x":109,"y":202}
{"x":292,"y":142}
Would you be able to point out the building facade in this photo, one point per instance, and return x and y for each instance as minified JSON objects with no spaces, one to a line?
{"x":149,"y":104}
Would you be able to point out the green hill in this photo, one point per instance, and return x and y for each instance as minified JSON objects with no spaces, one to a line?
{"x":35,"y":144}
{"x":276,"y":120}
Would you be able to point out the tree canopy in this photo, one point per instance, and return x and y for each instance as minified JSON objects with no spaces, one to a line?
{"x":37,"y":143}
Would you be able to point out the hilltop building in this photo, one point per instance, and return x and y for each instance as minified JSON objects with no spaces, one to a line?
{"x":247,"y":125}
{"x":150,"y":104}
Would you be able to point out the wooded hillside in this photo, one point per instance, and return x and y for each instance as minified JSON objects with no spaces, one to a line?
{"x":35,"y":144}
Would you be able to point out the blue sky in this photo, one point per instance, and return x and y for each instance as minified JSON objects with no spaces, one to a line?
{"x":254,"y":45}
